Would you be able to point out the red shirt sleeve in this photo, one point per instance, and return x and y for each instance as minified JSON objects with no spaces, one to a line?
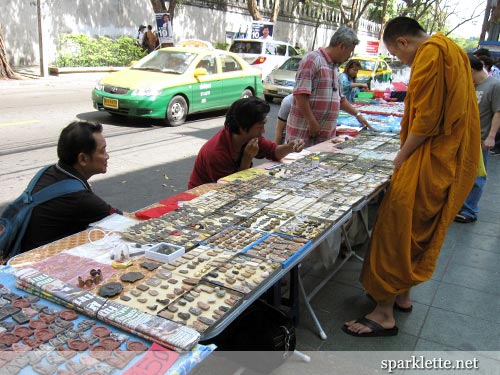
{"x":266,"y":149}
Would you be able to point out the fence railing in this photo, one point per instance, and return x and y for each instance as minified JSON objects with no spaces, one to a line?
{"x":290,"y":10}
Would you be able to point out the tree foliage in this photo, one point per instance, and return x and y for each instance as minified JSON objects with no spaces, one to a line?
{"x":76,"y":50}
{"x":351,"y":15}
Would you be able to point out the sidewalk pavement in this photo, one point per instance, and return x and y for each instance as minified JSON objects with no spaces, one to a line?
{"x":31,"y":75}
{"x":458,"y":309}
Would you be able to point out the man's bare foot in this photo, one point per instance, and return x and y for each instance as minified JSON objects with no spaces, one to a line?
{"x":403,"y":302}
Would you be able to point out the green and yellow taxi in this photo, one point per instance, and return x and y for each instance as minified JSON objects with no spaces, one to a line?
{"x":172,"y":82}
{"x":373,"y":68}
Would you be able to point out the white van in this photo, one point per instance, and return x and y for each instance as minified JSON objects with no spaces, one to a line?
{"x":265,"y":55}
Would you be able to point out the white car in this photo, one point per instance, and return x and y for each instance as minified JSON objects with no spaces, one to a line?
{"x":265,"y":55}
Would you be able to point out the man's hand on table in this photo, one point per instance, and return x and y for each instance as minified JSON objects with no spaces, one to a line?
{"x":296,"y":145}
{"x":252,"y":148}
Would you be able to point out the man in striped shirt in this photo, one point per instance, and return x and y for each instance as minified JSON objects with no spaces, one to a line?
{"x":317,"y":98}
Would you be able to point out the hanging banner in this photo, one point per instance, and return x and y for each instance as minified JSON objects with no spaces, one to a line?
{"x":262,"y":30}
{"x":164,"y":26}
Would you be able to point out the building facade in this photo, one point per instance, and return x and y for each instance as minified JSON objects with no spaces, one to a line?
{"x":23,"y":22}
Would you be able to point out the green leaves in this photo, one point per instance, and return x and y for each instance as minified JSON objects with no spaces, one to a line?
{"x":79,"y":50}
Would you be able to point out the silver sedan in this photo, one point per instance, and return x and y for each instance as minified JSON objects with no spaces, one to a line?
{"x":279,"y":83}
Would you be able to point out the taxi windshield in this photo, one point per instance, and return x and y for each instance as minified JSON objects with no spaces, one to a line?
{"x":175,"y":62}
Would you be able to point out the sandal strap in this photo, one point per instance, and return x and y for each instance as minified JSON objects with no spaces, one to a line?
{"x":374,"y":326}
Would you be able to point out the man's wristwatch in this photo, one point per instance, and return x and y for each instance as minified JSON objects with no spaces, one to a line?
{"x":357,"y":114}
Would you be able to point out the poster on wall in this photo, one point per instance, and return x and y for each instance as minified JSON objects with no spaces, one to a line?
{"x":368,"y":47}
{"x":262,"y":30}
{"x":164,"y":26}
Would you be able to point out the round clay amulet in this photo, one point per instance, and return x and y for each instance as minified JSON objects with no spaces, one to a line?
{"x":78,"y":345}
{"x":37,"y":324}
{"x":21,"y":303}
{"x":31,"y":342}
{"x":110,"y":289}
{"x":136,"y":346}
{"x":109,"y":343}
{"x":99,"y":352}
{"x":100,"y":331}
{"x":22,"y":332}
{"x":8,"y":339}
{"x":46,"y":318}
{"x":44,"y":335}
{"x":68,"y":315}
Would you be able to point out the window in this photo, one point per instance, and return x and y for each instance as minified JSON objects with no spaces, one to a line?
{"x":367,"y":65}
{"x":291,"y":64}
{"x":246,"y":46}
{"x":209,"y":63}
{"x":292,"y":51}
{"x":281,"y":49}
{"x":271,"y":48}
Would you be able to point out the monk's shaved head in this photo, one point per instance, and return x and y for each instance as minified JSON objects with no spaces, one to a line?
{"x":401,"y":26}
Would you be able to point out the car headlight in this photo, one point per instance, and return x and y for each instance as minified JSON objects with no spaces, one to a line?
{"x":268,"y":79}
{"x":99,"y":86}
{"x":147,"y":91}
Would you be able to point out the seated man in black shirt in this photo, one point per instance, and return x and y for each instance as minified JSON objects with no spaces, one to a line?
{"x":82,"y":153}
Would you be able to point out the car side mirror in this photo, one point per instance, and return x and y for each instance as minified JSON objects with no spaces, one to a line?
{"x":200,"y":72}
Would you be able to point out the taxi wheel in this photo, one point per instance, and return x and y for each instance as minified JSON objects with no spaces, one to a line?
{"x":246,"y":94}
{"x":177,"y":111}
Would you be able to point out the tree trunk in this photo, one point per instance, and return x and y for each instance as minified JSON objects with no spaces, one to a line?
{"x":159,"y":6}
{"x":276,"y":10}
{"x":6,"y":71}
{"x":382,"y":20}
{"x":171,"y":10}
{"x":494,"y":29}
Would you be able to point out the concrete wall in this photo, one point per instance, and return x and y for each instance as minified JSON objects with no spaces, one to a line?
{"x":19,"y":22}
{"x":114,"y":18}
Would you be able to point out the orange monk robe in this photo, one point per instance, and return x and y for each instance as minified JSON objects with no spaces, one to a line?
{"x":428,"y":190}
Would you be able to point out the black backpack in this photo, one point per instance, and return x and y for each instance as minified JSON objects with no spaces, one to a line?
{"x":261,"y":338}
{"x":15,"y":218}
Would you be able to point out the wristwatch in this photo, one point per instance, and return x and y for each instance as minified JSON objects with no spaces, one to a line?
{"x":358,"y":114}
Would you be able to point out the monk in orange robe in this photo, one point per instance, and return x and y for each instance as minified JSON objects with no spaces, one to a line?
{"x":434,"y":171}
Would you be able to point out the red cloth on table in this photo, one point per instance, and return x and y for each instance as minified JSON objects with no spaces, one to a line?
{"x":167,"y":205}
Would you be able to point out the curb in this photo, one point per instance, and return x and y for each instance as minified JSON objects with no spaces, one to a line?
{"x":55,"y":71}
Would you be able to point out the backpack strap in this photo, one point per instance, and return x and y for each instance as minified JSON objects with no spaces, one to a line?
{"x":35,"y":179}
{"x":56,"y":190}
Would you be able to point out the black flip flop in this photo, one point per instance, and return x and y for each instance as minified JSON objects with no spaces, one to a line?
{"x":377,"y":329}
{"x":403,"y":309}
{"x":464,"y":219}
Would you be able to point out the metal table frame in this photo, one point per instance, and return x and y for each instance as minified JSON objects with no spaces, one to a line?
{"x":356,"y":210}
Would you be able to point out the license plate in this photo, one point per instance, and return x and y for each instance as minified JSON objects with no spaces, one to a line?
{"x":110,"y":103}
{"x":284,"y":92}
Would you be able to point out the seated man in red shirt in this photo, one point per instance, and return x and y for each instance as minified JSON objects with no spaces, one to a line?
{"x":233,"y":148}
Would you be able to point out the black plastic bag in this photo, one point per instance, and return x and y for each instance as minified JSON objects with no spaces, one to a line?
{"x":263,"y":335}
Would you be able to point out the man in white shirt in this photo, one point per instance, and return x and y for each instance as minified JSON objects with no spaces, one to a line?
{"x":265,"y":33}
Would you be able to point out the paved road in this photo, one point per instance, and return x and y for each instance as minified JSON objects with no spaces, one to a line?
{"x":148,"y":161}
